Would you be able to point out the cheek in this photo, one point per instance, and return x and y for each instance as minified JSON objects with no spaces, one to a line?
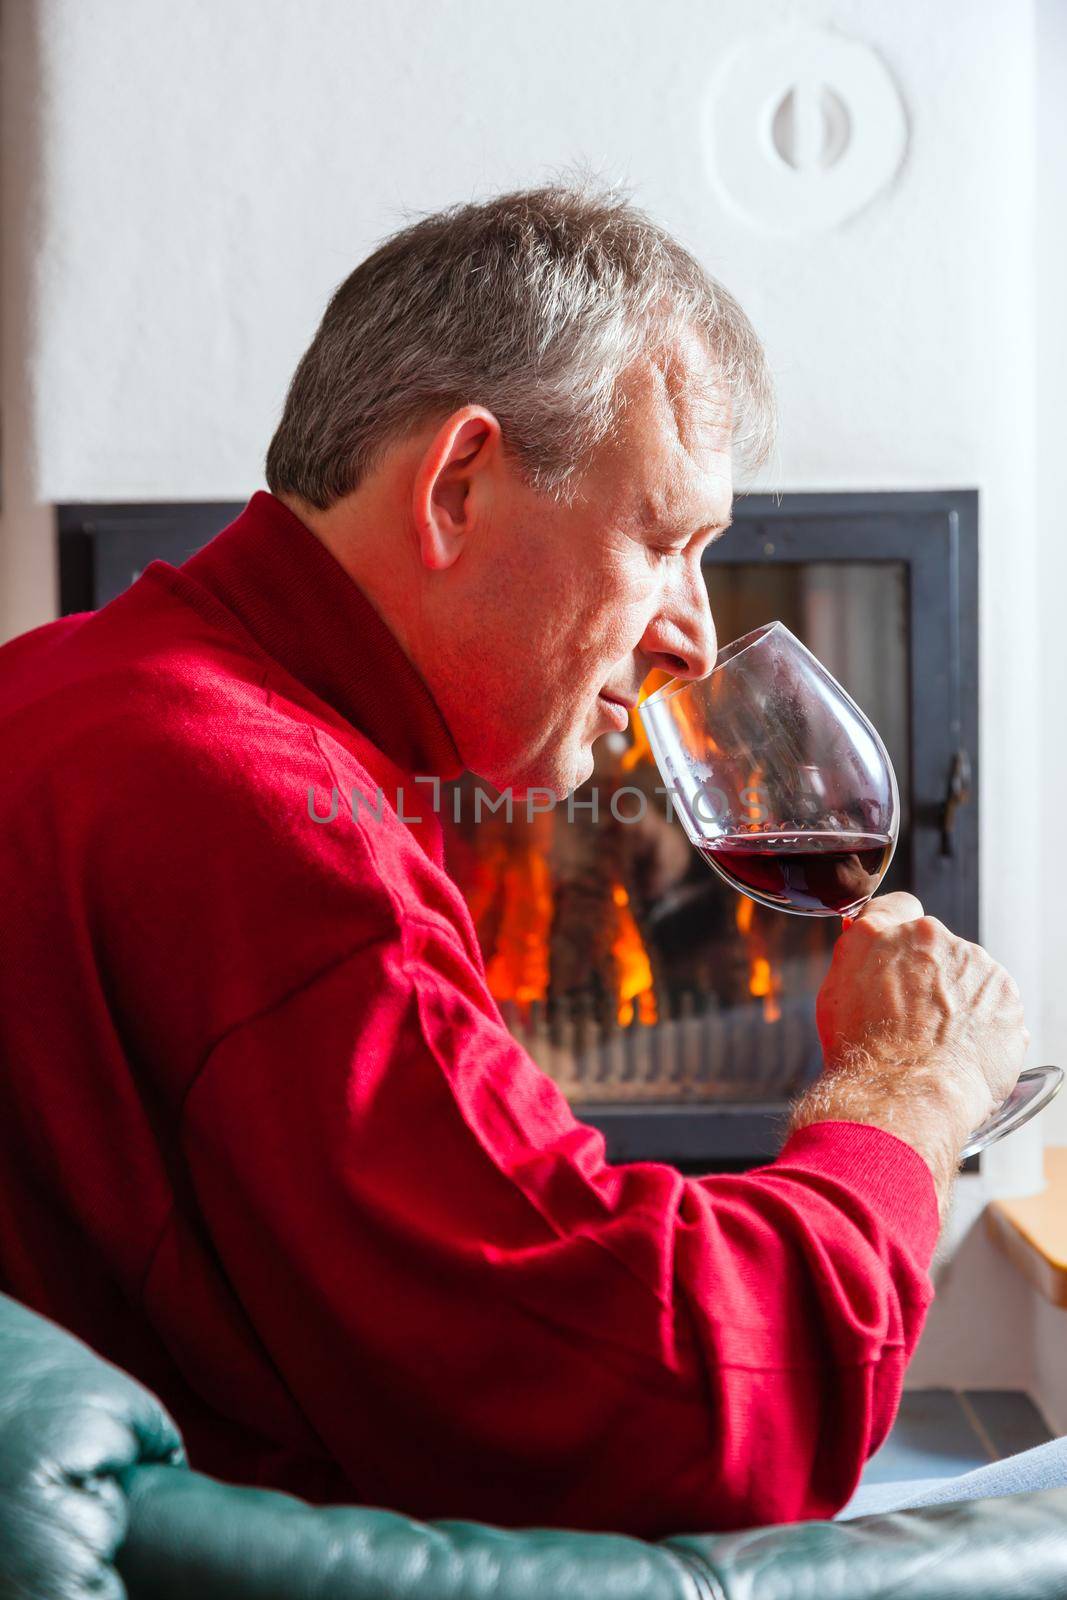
{"x":626,"y":611}
{"x":585,"y":623}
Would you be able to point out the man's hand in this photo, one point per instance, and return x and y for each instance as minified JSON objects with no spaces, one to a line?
{"x":906,"y":990}
{"x":922,"y":1033}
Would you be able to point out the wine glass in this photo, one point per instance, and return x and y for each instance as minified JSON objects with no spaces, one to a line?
{"x":788,"y":793}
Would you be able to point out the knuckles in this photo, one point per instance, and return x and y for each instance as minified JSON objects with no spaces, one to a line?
{"x":896,"y":977}
{"x":873,"y":963}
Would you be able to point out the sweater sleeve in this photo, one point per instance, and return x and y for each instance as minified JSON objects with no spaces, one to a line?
{"x":480,"y":1317}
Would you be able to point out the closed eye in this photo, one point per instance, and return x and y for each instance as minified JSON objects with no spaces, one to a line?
{"x":688,"y":544}
{"x":669,"y":552}
{"x":681,"y":545}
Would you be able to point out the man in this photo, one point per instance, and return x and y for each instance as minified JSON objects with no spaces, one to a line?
{"x":266,"y":1141}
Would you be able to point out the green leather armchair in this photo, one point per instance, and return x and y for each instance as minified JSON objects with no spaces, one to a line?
{"x":96,"y":1500}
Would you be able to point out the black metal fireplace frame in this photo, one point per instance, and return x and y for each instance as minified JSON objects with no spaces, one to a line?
{"x":934,"y":535}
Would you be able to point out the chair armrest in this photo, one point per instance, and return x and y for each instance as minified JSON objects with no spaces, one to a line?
{"x":189,"y":1535}
{"x":70,"y":1426}
{"x":972,"y":1550}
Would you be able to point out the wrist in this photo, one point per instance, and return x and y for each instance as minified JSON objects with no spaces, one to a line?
{"x":933,"y":1106}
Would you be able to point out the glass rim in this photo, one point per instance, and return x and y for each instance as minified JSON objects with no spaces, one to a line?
{"x":724,"y":658}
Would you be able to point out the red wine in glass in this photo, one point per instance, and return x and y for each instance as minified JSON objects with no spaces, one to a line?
{"x":815,"y":874}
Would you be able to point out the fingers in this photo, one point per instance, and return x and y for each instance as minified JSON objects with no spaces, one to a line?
{"x":889,"y":910}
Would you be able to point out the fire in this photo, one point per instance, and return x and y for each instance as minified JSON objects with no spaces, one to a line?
{"x":512,"y":903}
{"x":632,"y":967}
{"x":511,"y":891}
{"x":750,"y":795}
{"x":514,"y":884}
{"x":639,"y":750}
{"x":764,"y":982}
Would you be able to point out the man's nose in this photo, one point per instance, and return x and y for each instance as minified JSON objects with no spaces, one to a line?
{"x":680,"y":639}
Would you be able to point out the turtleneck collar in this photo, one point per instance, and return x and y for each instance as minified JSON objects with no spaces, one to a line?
{"x":300,"y":605}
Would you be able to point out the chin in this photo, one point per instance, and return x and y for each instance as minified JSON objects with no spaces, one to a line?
{"x":558,"y":784}
{"x":560,"y":769}
{"x":561,"y":774}
{"x":586,"y":766}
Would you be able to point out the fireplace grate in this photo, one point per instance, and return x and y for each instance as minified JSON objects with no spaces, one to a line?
{"x":694,"y":1051}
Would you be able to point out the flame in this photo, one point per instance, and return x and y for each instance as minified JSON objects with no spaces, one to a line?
{"x":632,"y":966}
{"x":753,"y":810}
{"x":764,"y":980}
{"x":639,"y":749}
{"x":512,"y":883}
{"x":510,"y":895}
{"x":515,"y":876}
{"x":759,"y":984}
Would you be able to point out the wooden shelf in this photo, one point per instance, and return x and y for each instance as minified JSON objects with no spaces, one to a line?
{"x":1033,"y":1232}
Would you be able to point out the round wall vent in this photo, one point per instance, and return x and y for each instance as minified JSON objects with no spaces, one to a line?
{"x":803,"y":129}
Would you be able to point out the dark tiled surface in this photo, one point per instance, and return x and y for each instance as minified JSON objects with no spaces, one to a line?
{"x":940,"y":1433}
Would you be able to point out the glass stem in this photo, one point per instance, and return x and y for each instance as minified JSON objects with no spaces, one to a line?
{"x":849,"y":917}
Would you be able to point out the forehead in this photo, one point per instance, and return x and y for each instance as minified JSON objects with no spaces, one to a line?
{"x":673,"y":448}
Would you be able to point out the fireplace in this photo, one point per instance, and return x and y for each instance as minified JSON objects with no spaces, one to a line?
{"x":675,"y":1014}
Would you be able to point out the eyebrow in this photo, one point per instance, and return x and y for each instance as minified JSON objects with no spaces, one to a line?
{"x":717,"y":526}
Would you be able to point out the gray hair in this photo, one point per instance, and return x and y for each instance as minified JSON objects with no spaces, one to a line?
{"x":531,"y":304}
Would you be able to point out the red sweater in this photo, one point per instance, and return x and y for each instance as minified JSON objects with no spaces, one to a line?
{"x":266,"y":1142}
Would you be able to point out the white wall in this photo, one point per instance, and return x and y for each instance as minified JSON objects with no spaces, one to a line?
{"x":1051,"y":276}
{"x":208,"y":172}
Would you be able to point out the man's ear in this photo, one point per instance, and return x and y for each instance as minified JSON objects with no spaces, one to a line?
{"x":452,"y":467}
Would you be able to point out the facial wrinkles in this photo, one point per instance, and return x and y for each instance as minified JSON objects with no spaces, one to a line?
{"x":688,"y":512}
{"x":692,"y":418}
